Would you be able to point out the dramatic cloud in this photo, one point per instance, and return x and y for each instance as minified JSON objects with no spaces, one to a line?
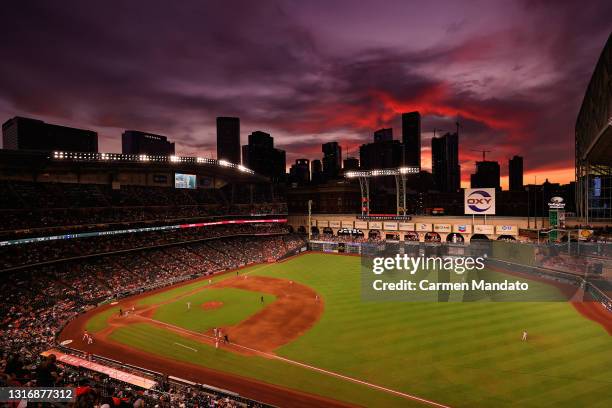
{"x":512,"y":73}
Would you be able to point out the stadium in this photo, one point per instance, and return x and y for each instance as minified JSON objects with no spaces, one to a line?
{"x":161,"y":278}
{"x":177,"y":295}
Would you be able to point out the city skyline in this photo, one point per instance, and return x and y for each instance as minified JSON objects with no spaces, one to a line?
{"x":513,"y":74}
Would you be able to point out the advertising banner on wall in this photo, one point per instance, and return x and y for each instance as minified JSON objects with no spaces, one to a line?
{"x":422,"y":227}
{"x":321,"y":223}
{"x":347,"y":224}
{"x":390,"y":226}
{"x":506,"y":230}
{"x":334,"y":224}
{"x":479,"y":201}
{"x":361,"y":224}
{"x":442,"y":228}
{"x":484,"y":229}
{"x":375,"y":225}
{"x":462,"y":228}
{"x":406,"y":226}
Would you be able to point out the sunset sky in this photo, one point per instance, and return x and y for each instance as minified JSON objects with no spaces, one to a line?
{"x":309,"y":72}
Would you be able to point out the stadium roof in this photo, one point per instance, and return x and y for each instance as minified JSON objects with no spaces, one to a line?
{"x":39,"y":161}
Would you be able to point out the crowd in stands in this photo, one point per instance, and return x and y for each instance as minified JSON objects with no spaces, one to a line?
{"x":93,"y":389}
{"x":12,"y":256}
{"x":25,"y":205}
{"x":38,"y":301}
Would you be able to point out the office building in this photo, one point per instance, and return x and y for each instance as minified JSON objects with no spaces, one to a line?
{"x":137,"y":142}
{"x":486,"y":176}
{"x":300,"y":172}
{"x":350,"y":163}
{"x":228,"y":139}
{"x":21,"y":133}
{"x":316,"y":171}
{"x":380,"y":155}
{"x":515,"y":174}
{"x":263,"y":158}
{"x":445,"y":162}
{"x":332,"y":160}
{"x":411,"y":138}
{"x":383,"y":135}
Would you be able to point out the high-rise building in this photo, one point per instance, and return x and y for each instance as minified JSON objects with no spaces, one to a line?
{"x":486,"y":176}
{"x":137,"y":142}
{"x":316,"y":171}
{"x":383,"y":135}
{"x":380,"y":155}
{"x":515,"y":173}
{"x":332,"y":160}
{"x":445,"y":162}
{"x":350,"y":163}
{"x":411,"y":138}
{"x":228,"y":139}
{"x":300,"y":172}
{"x":261,"y":156}
{"x":21,"y":133}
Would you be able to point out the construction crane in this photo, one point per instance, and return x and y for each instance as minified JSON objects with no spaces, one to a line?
{"x":484,"y":152}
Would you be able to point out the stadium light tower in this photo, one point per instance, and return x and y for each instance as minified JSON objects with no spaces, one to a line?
{"x":400,"y":174}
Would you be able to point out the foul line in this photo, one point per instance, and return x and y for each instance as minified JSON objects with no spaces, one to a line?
{"x":297,"y":363}
{"x":187,"y":347}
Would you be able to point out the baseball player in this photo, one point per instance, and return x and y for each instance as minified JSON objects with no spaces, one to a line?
{"x":524,"y":338}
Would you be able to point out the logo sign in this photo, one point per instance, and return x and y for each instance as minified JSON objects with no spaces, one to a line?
{"x":390,"y":226}
{"x":506,"y":230}
{"x":421,"y":227}
{"x":584,"y":234}
{"x":479,"y":201}
{"x":361,"y":224}
{"x":347,"y":224}
{"x":406,"y":226}
{"x":442,"y":227}
{"x":556,"y":203}
{"x":484,"y":229}
{"x":462,"y":228}
{"x":334,"y":224}
{"x":375,"y":225}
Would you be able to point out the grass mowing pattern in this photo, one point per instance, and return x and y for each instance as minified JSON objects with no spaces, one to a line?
{"x":461,"y":354}
{"x":237,"y":306}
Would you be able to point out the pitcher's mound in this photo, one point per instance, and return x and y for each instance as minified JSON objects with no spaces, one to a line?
{"x":212,"y":305}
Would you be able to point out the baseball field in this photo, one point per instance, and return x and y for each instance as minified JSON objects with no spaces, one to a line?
{"x":300,"y":335}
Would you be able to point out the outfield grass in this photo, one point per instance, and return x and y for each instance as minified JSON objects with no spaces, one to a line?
{"x":461,"y":354}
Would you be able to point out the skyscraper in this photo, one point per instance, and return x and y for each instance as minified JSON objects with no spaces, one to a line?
{"x":316,"y":171}
{"x":261,"y":156}
{"x":383,"y":135}
{"x":515,"y":173}
{"x":411,"y":138}
{"x":380,"y":155}
{"x":300,"y":172}
{"x":137,"y":142}
{"x":332,"y":160}
{"x":486,"y":176}
{"x":21,"y":133}
{"x":228,"y":139}
{"x":445,"y":162}
{"x":350,"y":163}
